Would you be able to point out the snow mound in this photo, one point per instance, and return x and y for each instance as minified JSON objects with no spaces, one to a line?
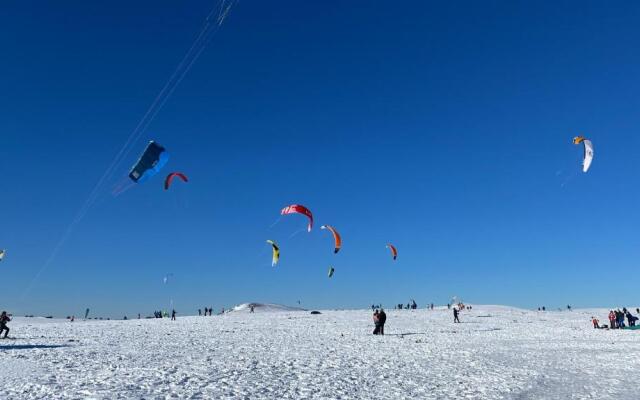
{"x":259,"y":307}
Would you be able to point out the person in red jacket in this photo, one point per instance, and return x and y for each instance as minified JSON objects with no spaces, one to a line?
{"x":612,"y":319}
{"x":596,"y":323}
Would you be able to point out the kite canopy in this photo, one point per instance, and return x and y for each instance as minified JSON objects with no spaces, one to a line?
{"x":165,"y":280}
{"x":299,"y":209}
{"x":336,"y":237}
{"x":150,"y":163}
{"x":169,"y":179}
{"x":588,"y":151}
{"x":394,"y":251}
{"x":331,"y":271}
{"x":2,"y":253}
{"x":276,"y":253}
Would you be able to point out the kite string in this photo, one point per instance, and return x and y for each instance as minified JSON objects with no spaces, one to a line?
{"x":196,"y":48}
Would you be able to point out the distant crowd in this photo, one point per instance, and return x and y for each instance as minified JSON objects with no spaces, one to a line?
{"x":616,"y":319}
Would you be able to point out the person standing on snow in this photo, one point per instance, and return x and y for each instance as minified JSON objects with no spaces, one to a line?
{"x":455,"y":315}
{"x":382,"y":318}
{"x":612,"y":319}
{"x":4,"y":318}
{"x":376,"y":323}
{"x":619,"y":319}
{"x":173,"y":315}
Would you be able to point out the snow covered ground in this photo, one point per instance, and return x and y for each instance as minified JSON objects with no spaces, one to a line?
{"x":495,"y":353}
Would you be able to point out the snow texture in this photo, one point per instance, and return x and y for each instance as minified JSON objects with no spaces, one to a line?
{"x":495,"y":353}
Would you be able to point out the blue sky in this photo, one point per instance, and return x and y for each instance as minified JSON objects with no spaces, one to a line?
{"x":443,"y":128}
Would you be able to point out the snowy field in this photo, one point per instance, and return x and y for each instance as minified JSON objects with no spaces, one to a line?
{"x":495,"y":353}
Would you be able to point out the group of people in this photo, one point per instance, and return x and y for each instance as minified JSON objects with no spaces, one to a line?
{"x":410,"y":306}
{"x":379,"y":319}
{"x":616,"y":319}
{"x":207,"y":311}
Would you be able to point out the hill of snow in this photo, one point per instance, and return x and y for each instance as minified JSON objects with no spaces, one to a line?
{"x":259,"y":307}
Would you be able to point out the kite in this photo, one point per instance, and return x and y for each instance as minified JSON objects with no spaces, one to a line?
{"x":331,"y":271}
{"x":150,"y":163}
{"x":298,"y":209}
{"x":336,"y":237}
{"x":2,"y":253}
{"x":276,"y":253}
{"x":169,"y":179}
{"x":394,"y":251}
{"x":588,"y":151}
{"x":165,"y":280}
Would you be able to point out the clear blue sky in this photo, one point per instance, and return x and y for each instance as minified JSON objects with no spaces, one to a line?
{"x":444,"y":128}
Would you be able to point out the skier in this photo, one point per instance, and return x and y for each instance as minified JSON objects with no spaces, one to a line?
{"x":4,"y":318}
{"x":455,"y":315}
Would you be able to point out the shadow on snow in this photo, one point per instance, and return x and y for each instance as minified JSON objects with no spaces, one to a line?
{"x":31,"y":346}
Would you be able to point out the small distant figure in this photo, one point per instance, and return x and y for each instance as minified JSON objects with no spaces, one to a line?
{"x":373,"y":307}
{"x":631,"y":320}
{"x":595,"y":322}
{"x":221,"y":311}
{"x":448,"y":306}
{"x":431,"y":306}
{"x":612,"y":319}
{"x":376,"y":322}
{"x":538,"y":308}
{"x":173,"y":315}
{"x":125,"y":318}
{"x":544,"y":308}
{"x":251,"y":307}
{"x":73,"y":318}
{"x":568,"y":307}
{"x":211,"y":310}
{"x":138,"y":315}
{"x":382,"y":319}
{"x":199,"y":312}
{"x":4,"y":318}
{"x":619,"y":319}
{"x":455,"y":316}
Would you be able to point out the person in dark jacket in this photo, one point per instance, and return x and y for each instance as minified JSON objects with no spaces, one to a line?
{"x":631,"y":320}
{"x":382,"y":316}
{"x":173,"y":315}
{"x":619,"y":319}
{"x":4,"y":318}
{"x":455,"y":315}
